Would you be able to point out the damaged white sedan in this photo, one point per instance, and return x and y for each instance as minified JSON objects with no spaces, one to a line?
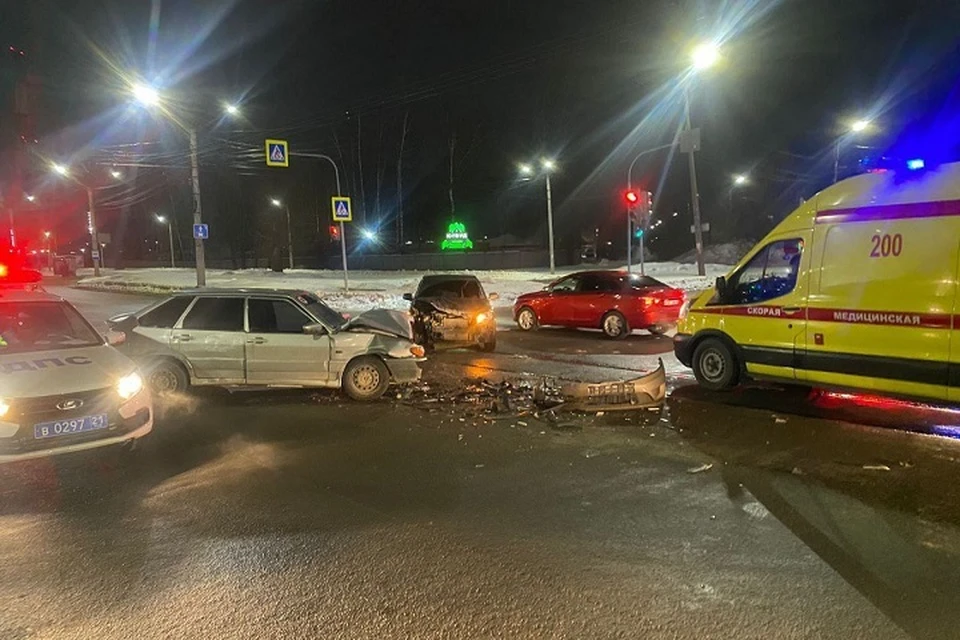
{"x":259,"y":338}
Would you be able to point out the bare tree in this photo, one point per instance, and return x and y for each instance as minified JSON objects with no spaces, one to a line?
{"x":403,"y":140}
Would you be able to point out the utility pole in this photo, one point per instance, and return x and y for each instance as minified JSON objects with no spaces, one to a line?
{"x":553,"y":264}
{"x":197,"y":212}
{"x":289,"y":235}
{"x":94,"y":238}
{"x":691,"y":148}
{"x":173,"y":261}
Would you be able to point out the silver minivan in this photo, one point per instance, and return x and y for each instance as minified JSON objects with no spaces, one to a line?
{"x":268,"y":338}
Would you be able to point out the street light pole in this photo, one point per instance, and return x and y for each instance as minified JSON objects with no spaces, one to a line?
{"x":173,"y":262}
{"x":343,"y":237}
{"x":694,"y":192}
{"x":643,"y":224}
{"x":197,"y":211}
{"x":553,"y":264}
{"x":94,"y":238}
{"x":289,"y":237}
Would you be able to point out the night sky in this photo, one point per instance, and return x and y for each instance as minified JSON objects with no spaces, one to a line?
{"x":590,"y":83}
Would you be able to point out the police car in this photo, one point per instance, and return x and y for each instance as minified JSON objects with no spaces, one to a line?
{"x":63,"y":388}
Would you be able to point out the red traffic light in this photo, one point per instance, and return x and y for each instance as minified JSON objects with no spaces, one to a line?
{"x":334,"y":233}
{"x":631,"y":196}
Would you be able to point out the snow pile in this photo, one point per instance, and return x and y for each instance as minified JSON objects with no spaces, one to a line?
{"x":368,"y":289}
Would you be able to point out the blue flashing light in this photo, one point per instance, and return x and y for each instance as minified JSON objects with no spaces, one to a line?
{"x":915,"y":164}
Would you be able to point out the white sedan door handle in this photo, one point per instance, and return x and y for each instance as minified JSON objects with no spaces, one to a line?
{"x":256,"y":340}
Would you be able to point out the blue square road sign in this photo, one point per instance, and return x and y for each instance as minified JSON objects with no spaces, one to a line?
{"x":201,"y":231}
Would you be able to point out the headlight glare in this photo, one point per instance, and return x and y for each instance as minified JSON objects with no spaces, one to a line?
{"x":129,"y":386}
{"x":4,"y":407}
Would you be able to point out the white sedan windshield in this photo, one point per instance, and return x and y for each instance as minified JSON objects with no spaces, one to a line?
{"x":39,"y":326}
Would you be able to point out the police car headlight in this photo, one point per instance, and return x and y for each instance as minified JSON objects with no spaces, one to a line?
{"x":129,"y":386}
{"x":4,"y":407}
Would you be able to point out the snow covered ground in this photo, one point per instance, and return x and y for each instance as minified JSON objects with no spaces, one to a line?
{"x":368,"y":289}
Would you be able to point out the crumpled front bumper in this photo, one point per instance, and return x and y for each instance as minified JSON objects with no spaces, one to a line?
{"x":404,"y":370}
{"x":440,"y":327}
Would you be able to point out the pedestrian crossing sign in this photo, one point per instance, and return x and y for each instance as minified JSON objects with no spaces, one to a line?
{"x":277,"y":153}
{"x":342,"y":211}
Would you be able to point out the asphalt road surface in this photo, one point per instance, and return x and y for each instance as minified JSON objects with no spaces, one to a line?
{"x":759,"y":514}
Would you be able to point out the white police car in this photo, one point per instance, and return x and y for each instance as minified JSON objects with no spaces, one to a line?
{"x":62,"y":387}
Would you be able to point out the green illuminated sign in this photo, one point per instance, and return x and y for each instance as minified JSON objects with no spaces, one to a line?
{"x":457,"y":238}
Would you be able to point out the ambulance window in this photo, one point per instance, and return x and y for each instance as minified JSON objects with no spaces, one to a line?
{"x":770,"y":274}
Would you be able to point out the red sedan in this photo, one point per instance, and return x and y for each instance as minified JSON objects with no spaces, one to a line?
{"x":612,"y":301}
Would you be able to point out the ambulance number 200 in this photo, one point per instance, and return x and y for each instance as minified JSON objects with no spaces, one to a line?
{"x":886,"y":245}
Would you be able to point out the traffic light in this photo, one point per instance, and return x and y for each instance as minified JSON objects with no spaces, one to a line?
{"x":632,"y":198}
{"x":646,"y":198}
{"x":334,"y":233}
{"x":638,"y":233}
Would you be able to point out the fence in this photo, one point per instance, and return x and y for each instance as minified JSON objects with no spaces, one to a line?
{"x":480,"y":260}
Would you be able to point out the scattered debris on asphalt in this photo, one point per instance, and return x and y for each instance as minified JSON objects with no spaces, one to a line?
{"x":701,"y":468}
{"x":482,"y":401}
{"x":876,"y":467}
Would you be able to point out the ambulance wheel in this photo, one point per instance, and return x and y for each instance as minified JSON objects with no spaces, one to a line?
{"x":714,"y":365}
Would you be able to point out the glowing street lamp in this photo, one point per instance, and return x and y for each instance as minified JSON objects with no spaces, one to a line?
{"x":702,"y":57}
{"x":149,"y":97}
{"x":164,"y":220}
{"x":30,"y":198}
{"x":547,"y":167}
{"x":115,"y":174}
{"x":145,"y":94}
{"x":369,"y":234}
{"x":231,"y":109}
{"x":276,"y":202}
{"x":858,"y":126}
{"x":64,"y":171}
{"x":705,"y":55}
{"x":739,"y":180}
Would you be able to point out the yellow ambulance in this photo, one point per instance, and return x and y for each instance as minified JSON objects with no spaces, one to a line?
{"x":857,"y":288}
